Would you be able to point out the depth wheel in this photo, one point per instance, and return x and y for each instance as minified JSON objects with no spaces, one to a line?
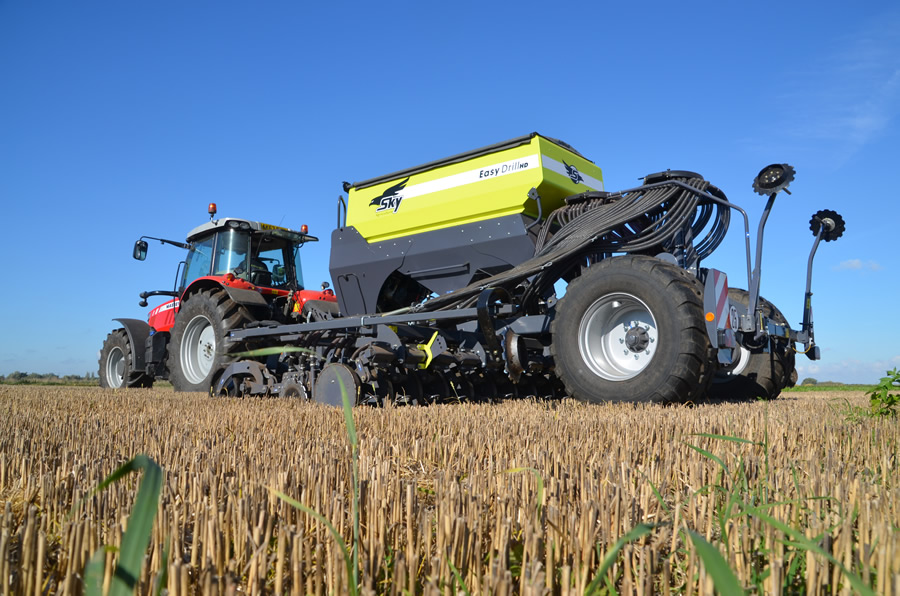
{"x":755,"y":373}
{"x":116,"y":369}
{"x":199,"y":348}
{"x":334,"y":382}
{"x":631,"y":329}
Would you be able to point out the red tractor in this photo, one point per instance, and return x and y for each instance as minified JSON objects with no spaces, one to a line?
{"x":236,"y":272}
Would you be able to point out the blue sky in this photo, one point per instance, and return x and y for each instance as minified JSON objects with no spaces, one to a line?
{"x":119,"y":119}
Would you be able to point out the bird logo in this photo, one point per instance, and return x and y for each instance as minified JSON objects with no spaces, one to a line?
{"x":390,"y":198}
{"x":573,"y":173}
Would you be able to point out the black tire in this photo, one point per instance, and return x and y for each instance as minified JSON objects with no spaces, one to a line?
{"x":116,"y":363}
{"x":756,"y":373}
{"x":199,"y":348}
{"x":650,"y":310}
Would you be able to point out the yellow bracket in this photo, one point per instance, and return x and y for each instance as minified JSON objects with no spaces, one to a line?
{"x":427,"y":348}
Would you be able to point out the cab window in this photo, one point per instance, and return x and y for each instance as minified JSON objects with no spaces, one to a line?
{"x":273,"y":259}
{"x":199,"y":259}
{"x":232,"y":249}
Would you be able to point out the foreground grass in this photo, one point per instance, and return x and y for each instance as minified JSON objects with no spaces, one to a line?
{"x":516,"y":497}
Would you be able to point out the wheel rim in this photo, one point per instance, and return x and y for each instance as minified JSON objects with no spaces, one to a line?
{"x":618,"y":337}
{"x":115,"y":368}
{"x":198,"y":349}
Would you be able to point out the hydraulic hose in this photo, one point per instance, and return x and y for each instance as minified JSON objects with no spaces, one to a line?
{"x":652,"y":217}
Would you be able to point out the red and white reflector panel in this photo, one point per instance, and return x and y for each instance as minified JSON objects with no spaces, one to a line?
{"x":717,"y":309}
{"x":720,"y":283}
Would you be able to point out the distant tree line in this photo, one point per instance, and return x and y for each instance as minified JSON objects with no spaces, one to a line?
{"x":812,"y":381}
{"x":21,"y":378}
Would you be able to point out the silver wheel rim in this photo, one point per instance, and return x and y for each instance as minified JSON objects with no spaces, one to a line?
{"x":618,"y":337}
{"x":115,"y":368}
{"x":198,"y":349}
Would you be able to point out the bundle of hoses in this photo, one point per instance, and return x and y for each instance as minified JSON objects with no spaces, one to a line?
{"x":647,"y":218}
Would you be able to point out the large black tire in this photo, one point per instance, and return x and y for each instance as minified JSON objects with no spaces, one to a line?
{"x":116,"y":363}
{"x":200,"y":349}
{"x":631,"y":329}
{"x":755,"y":372}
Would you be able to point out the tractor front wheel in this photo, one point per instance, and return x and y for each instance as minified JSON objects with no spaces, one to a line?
{"x":631,"y":329}
{"x":200,"y":349}
{"x":116,"y":368}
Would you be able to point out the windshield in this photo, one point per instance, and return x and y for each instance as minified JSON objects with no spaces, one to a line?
{"x":231,"y":253}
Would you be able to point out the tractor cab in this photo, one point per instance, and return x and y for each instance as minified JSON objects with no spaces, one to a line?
{"x":234,"y":253}
{"x":258,"y":254}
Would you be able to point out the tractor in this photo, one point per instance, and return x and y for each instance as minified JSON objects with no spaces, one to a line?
{"x":236,"y":272}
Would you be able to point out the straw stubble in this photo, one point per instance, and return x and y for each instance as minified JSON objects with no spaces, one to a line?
{"x":517,"y":497}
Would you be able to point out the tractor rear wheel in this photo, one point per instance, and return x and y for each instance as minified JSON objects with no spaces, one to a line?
{"x":756,"y":373}
{"x":200,"y":349}
{"x":116,"y":368}
{"x":631,"y":329}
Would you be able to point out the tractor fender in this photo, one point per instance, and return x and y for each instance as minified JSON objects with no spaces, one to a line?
{"x":246,"y":297}
{"x":249,"y":298}
{"x":138,"y":331}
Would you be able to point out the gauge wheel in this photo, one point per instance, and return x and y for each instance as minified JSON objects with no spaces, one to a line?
{"x":756,"y":373}
{"x":631,"y":329}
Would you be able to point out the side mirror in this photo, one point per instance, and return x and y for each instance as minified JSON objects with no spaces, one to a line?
{"x":278,"y":274}
{"x":140,"y":250}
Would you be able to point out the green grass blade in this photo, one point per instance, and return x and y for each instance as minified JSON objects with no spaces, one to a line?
{"x":345,"y":552}
{"x":725,"y":438}
{"x":711,"y":456}
{"x":118,"y":474}
{"x":354,"y":447}
{"x":140,"y":525}
{"x":162,"y":580}
{"x":348,"y":415}
{"x":656,"y":492}
{"x":723,"y":577}
{"x":458,"y":579}
{"x":755,"y":510}
{"x":806,"y":543}
{"x":271,"y":351}
{"x":637,"y":532}
{"x":93,"y":573}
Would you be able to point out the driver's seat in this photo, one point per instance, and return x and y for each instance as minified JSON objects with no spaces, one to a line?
{"x":259,"y":273}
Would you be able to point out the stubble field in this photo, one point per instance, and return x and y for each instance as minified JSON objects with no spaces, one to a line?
{"x":516,"y":497}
